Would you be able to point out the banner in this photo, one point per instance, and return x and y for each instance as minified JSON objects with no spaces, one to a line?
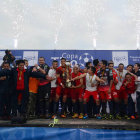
{"x":78,"y":56}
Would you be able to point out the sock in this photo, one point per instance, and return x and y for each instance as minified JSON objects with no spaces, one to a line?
{"x":63,"y":108}
{"x":94,"y":109}
{"x":85,"y":108}
{"x":75,"y":107}
{"x":125,"y":109}
{"x":51,"y":107}
{"x":97,"y":109}
{"x":81,"y":107}
{"x":104,"y":107}
{"x":55,"y":107}
{"x":111,"y":107}
{"x":117,"y":108}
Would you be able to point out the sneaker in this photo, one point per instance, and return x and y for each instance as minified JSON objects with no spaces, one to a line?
{"x":132,"y":117}
{"x":75,"y":115}
{"x":126,"y":117}
{"x":104,"y":116}
{"x":111,"y":117}
{"x":118,"y":117}
{"x":54,"y":116}
{"x":80,"y":116}
{"x":63,"y":116}
{"x":98,"y":117}
{"x":85,"y":117}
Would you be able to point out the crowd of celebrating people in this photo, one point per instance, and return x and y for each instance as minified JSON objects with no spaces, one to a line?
{"x":41,"y":91}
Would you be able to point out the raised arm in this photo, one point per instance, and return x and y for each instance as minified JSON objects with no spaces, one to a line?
{"x":40,"y":69}
{"x":79,"y":77}
{"x":5,"y":72}
{"x":80,"y":85}
{"x":37,"y":75}
{"x":52,"y":77}
{"x":99,"y":80}
{"x":136,"y":78}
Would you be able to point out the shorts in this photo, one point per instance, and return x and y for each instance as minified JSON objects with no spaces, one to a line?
{"x":53,"y":93}
{"x":115,"y":94}
{"x":76,"y":93}
{"x":104,"y":95}
{"x":94,"y":94}
{"x":103,"y":92}
{"x":62,"y":91}
{"x":68,"y":90}
{"x":123,"y":95}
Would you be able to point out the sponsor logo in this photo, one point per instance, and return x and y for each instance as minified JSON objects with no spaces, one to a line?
{"x":18,"y":57}
{"x":84,"y":58}
{"x":120,"y":57}
{"x":75,"y":58}
{"x":70,"y":56}
{"x":31,"y":56}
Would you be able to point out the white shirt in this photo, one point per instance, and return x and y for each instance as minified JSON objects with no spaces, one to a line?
{"x":121,"y":77}
{"x":91,"y":80}
{"x":52,"y":73}
{"x":138,"y":84}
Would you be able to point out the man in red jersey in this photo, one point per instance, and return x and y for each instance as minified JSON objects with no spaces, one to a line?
{"x":76,"y":93}
{"x":114,"y":93}
{"x":105,"y":88}
{"x":127,"y":89}
{"x":62,"y":74}
{"x":91,"y":89}
{"x":96,"y":65}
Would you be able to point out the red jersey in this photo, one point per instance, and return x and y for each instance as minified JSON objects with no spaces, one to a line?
{"x":97,"y":69}
{"x":77,"y":82}
{"x":115,"y":79}
{"x":20,"y":79}
{"x":62,"y":72}
{"x":130,"y":88}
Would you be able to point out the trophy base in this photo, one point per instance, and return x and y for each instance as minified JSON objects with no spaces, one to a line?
{"x":68,"y":84}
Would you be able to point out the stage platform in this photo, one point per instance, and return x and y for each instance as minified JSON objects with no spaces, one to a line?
{"x":78,"y":123}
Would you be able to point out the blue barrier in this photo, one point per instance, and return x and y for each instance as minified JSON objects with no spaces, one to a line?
{"x":78,"y":56}
{"x":42,"y":133}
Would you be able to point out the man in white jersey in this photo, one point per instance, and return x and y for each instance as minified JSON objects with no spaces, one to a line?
{"x":121,"y":76}
{"x":91,"y":89}
{"x":52,"y":74}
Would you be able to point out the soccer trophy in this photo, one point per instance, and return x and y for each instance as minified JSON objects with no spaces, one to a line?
{"x":68,"y":76}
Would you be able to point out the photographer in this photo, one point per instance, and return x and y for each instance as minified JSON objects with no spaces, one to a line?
{"x":9,"y":57}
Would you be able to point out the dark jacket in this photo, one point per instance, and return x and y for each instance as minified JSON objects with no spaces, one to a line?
{"x":13,"y":73}
{"x":5,"y":85}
